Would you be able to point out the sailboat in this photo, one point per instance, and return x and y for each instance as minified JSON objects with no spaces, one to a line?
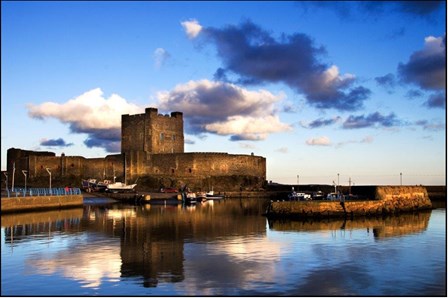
{"x":120,"y":186}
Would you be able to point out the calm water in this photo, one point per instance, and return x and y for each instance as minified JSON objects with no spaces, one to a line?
{"x":222,"y":249}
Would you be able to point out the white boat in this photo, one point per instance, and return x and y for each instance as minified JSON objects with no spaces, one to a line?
{"x":299,"y":196}
{"x":120,"y":186}
{"x":189,"y":197}
{"x":210,"y":195}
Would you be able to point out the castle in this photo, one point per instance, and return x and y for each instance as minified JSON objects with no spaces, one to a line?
{"x":152,"y":151}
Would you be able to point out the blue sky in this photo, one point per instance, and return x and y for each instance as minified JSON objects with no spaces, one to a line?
{"x":318,"y":88}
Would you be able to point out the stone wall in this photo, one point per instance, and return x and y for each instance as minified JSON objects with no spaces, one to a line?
{"x":64,"y":169}
{"x":198,"y":170}
{"x":44,"y":202}
{"x":388,"y":200}
{"x":223,"y":171}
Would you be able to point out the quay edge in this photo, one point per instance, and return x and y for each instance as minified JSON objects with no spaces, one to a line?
{"x":388,"y":200}
{"x":18,"y":204}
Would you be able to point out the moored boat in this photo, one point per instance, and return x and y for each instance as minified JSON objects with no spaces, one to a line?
{"x":120,"y":187}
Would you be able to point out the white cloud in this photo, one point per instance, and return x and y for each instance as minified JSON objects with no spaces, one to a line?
{"x":90,"y":110}
{"x":320,"y":141}
{"x":192,"y":28}
{"x":247,"y":127}
{"x":332,"y":78}
{"x":160,"y":56}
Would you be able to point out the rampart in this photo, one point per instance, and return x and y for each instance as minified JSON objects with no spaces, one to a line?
{"x":199,"y":170}
{"x":387,"y":200}
{"x":64,"y":169}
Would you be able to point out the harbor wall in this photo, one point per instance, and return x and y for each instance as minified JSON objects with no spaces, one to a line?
{"x":388,"y":200}
{"x":16,"y":204}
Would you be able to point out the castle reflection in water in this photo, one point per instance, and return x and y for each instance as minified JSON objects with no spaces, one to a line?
{"x":150,"y":240}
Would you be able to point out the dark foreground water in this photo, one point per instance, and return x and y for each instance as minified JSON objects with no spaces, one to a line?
{"x":222,"y":249}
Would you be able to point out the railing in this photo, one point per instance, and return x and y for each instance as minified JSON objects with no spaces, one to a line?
{"x":35,"y":192}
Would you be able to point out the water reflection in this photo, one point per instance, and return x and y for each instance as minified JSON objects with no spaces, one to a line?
{"x":384,"y":227}
{"x":216,"y":248}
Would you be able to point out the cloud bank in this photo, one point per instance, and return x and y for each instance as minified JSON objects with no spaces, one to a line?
{"x":371,"y":120}
{"x":256,"y":57}
{"x":90,"y":113}
{"x":347,"y":11}
{"x":426,"y":69}
{"x":225,"y":109}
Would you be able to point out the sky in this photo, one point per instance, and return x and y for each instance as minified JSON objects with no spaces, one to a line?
{"x":328,"y":92}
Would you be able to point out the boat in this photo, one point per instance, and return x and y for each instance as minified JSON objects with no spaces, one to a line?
{"x":92,"y":185}
{"x":210,"y":195}
{"x":120,"y":187}
{"x":298,"y":196}
{"x":88,"y":185}
{"x":102,"y":185}
{"x":189,"y":198}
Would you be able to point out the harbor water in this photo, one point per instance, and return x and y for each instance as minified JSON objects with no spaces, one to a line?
{"x":219,"y":248}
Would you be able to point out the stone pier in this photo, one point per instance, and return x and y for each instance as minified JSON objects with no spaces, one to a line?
{"x":386,"y":200}
{"x":17,"y":204}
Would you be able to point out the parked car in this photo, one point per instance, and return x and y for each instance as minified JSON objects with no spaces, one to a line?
{"x":168,"y":189}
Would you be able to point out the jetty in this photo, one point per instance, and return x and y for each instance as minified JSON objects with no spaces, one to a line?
{"x":385,"y":200}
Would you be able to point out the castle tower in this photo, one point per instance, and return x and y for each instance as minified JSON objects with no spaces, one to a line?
{"x":152,"y":132}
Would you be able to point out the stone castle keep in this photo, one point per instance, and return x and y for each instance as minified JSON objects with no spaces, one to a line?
{"x":152,"y":151}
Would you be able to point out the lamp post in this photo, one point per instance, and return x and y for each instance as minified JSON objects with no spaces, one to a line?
{"x":24,"y":174}
{"x":350,"y":185}
{"x":48,"y":170}
{"x":297,"y":182}
{"x":6,"y":182}
{"x":401,"y":179}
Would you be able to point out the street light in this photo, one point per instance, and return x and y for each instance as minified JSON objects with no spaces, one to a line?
{"x":24,"y":174}
{"x":6,"y":182}
{"x":48,"y":170}
{"x":401,"y":179}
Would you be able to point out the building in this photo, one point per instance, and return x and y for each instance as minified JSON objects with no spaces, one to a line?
{"x":152,"y":152}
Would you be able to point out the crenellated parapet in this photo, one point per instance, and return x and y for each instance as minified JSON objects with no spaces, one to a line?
{"x":152,"y":132}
